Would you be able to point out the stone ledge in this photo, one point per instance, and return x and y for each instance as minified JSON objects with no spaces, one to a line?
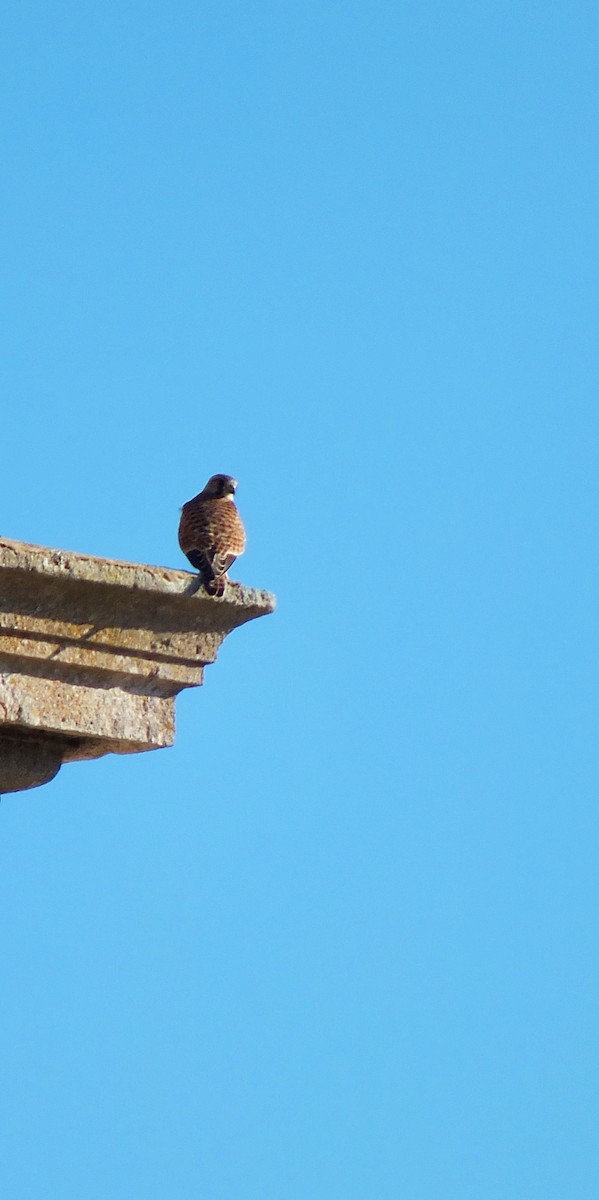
{"x":93,"y":651}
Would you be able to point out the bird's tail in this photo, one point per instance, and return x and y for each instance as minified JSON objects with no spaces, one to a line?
{"x":214,"y":584}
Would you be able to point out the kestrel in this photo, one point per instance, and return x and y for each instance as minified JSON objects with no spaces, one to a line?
{"x":211,"y":532}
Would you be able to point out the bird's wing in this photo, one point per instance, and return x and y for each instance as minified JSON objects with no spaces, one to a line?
{"x":221,"y":562}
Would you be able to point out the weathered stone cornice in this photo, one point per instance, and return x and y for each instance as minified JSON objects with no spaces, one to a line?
{"x":93,"y":652}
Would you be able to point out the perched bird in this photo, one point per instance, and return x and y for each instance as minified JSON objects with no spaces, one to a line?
{"x":211,"y":532}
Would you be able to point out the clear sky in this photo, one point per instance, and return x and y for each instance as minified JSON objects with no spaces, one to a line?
{"x":340,"y":942}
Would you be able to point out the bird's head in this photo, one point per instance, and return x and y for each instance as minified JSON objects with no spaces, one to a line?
{"x":220,"y":487}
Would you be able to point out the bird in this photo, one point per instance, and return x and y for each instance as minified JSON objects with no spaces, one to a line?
{"x":211,"y":532}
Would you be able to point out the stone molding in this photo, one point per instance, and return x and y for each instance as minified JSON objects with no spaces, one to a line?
{"x":93,"y":652}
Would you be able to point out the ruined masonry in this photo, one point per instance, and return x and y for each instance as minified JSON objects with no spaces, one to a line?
{"x":94,"y":651}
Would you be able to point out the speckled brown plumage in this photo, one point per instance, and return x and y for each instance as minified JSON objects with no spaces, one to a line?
{"x":211,"y":532}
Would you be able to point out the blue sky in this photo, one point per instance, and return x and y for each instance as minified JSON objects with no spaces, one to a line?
{"x":340,"y":941}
